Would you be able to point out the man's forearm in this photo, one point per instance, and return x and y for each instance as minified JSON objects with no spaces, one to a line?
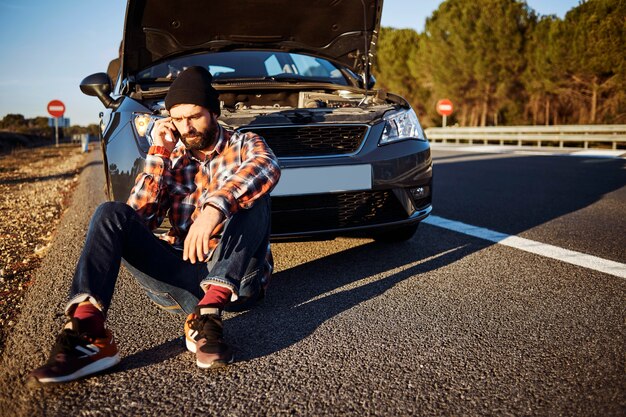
{"x":145,"y":196}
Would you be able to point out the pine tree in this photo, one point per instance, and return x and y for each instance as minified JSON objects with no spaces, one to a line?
{"x":474,"y":52}
{"x":594,"y":35}
{"x":395,"y":50}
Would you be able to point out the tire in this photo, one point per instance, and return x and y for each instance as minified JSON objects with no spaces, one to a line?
{"x":396,"y":235}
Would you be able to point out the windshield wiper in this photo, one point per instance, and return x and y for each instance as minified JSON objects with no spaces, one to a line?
{"x":297,"y":78}
{"x":223,"y":80}
{"x":277,"y":78}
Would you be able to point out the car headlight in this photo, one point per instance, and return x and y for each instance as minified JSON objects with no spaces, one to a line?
{"x":143,"y":124}
{"x":400,"y":126}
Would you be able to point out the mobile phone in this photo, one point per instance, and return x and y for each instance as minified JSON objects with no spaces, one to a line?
{"x":176,"y":133}
{"x":154,"y":118}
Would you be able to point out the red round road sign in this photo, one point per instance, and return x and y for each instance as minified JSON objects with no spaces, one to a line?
{"x":444,"y":107}
{"x":56,"y":108}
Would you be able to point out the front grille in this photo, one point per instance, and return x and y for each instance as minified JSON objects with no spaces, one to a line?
{"x":307,"y":141}
{"x":318,"y":212}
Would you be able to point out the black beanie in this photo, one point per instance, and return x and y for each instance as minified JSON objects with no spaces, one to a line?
{"x":193,"y":86}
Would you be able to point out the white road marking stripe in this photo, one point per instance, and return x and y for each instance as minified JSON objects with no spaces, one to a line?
{"x":600,"y":153}
{"x":549,"y":251}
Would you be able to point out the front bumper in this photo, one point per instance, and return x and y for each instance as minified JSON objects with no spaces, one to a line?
{"x":398,"y":172}
{"x":326,"y":216}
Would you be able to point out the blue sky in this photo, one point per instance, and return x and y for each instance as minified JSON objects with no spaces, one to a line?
{"x":48,"y":47}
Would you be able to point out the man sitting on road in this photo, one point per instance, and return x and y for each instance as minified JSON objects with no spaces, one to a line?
{"x":214,"y":190}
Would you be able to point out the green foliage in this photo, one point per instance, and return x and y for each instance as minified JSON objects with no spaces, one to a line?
{"x":500,"y":63}
{"x":396,"y":49}
{"x":544,"y":67}
{"x":474,"y":53}
{"x":597,"y":33}
{"x":13,"y":122}
{"x":594,"y":60}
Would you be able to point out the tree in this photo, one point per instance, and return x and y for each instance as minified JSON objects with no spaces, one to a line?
{"x":472,"y":53}
{"x":395,"y":50}
{"x":39,"y":126}
{"x":13,"y":122}
{"x":443,"y":56}
{"x":595,"y":33}
{"x":544,"y":69}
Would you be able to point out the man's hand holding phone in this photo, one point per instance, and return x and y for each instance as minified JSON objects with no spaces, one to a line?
{"x":165,"y":134}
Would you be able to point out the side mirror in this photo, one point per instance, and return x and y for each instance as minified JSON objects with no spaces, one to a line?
{"x":99,"y":85}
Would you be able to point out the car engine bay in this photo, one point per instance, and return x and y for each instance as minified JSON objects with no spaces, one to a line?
{"x":263,"y":106}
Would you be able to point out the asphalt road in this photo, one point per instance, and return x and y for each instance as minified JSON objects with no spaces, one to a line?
{"x":444,"y":324}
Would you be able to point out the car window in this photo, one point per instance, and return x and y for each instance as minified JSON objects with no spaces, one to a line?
{"x":272,"y":66}
{"x":249,"y":64}
{"x":218,"y":70}
{"x":314,"y":67}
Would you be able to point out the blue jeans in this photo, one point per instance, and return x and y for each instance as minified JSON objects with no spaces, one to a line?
{"x":117,"y":233}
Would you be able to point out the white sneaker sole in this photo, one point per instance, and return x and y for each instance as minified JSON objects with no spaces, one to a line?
{"x":92,"y":368}
{"x":217,"y":364}
{"x":191,"y":347}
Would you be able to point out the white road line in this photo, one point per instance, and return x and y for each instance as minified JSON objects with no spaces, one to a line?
{"x":600,"y":153}
{"x":549,"y":251}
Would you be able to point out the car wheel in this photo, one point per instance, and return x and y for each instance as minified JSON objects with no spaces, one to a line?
{"x":396,"y":235}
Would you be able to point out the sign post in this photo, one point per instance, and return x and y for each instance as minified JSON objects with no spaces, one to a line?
{"x":56,"y":108}
{"x":444,"y":108}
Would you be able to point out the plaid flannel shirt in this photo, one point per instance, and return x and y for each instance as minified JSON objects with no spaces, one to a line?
{"x":240,"y":169}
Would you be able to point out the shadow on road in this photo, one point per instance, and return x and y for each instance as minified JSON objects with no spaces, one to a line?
{"x":304,"y":297}
{"x":155,"y":354}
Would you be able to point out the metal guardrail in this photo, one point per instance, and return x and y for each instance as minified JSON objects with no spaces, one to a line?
{"x":572,"y":135}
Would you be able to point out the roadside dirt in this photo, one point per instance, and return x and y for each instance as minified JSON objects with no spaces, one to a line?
{"x":35,"y":187}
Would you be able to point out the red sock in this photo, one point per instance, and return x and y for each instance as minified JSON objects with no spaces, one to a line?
{"x":91,"y":319}
{"x":216,"y":296}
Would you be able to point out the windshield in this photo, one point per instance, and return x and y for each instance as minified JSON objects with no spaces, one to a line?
{"x":250,"y":65}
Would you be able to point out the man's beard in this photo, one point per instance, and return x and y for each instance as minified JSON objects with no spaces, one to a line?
{"x":194,"y":140}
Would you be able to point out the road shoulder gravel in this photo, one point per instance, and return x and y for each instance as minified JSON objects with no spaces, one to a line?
{"x":29,"y":341}
{"x":35,"y":189}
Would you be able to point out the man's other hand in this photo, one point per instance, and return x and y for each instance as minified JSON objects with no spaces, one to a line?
{"x":196,"y":245}
{"x":163,"y":133}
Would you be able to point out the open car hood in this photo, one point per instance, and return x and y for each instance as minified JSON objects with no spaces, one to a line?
{"x":343,"y":31}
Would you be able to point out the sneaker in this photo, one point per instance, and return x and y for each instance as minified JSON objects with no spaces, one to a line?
{"x":75,"y":355}
{"x":204,"y":337}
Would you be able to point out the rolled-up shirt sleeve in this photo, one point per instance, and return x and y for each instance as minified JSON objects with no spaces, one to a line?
{"x":148,"y":196}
